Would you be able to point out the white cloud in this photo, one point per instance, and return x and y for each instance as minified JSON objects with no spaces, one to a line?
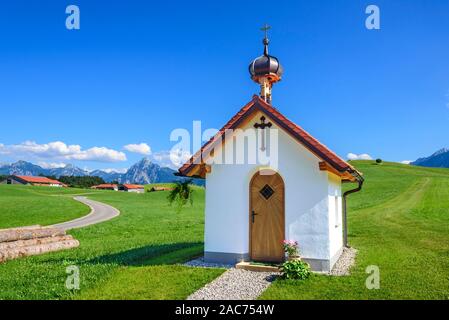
{"x":141,"y":148}
{"x":363,"y":156}
{"x":51,"y":165}
{"x":406,"y":161}
{"x":101,"y":154}
{"x":172,"y":159}
{"x":60,"y":151}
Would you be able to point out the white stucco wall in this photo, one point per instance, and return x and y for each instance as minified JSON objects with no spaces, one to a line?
{"x":136,"y":190}
{"x":307,"y":194}
{"x":335,"y":215}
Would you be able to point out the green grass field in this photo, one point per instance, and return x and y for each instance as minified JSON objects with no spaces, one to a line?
{"x":399,"y":222}
{"x":28,"y":205}
{"x":130,"y":257}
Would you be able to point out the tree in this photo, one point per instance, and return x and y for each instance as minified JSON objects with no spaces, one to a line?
{"x":378,"y":161}
{"x":181,"y":194}
{"x":81,"y":181}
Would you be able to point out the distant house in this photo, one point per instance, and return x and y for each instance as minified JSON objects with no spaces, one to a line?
{"x":106,"y":186}
{"x":34,"y":181}
{"x":132,"y":188}
{"x":160,"y":188}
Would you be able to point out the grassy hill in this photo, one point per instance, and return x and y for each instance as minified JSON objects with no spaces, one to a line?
{"x":399,"y":222}
{"x":27,"y":205}
{"x":132,"y":256}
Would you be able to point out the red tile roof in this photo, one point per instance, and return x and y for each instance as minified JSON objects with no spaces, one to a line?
{"x":296,"y":131}
{"x":133,"y":186}
{"x":41,"y":180}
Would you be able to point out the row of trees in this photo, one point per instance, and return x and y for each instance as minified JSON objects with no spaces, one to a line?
{"x":72,"y":181}
{"x":80,"y":182}
{"x":77,"y":181}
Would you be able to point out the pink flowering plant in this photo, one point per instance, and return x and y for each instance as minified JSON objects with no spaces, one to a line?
{"x":291,"y":248}
{"x":294,"y":268}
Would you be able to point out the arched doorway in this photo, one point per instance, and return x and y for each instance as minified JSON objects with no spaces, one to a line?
{"x":266,"y":216}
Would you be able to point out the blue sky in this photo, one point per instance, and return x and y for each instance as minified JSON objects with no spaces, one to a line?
{"x":136,"y":70}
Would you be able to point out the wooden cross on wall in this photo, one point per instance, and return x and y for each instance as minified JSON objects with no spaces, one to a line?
{"x":262,"y":125}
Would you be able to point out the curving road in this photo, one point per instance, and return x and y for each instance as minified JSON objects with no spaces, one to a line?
{"x":100,"y":212}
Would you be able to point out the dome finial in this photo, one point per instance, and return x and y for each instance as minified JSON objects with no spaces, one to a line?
{"x":265,"y":70}
{"x":265,"y":29}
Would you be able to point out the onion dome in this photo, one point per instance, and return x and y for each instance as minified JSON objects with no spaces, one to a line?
{"x":266,"y":66}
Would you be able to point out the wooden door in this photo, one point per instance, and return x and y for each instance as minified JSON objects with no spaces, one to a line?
{"x":266,"y":217}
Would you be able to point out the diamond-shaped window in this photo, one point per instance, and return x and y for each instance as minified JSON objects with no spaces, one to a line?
{"x":266,"y":191}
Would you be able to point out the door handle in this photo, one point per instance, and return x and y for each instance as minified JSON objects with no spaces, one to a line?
{"x":253,"y":214}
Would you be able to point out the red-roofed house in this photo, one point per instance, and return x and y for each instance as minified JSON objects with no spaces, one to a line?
{"x":106,"y":186}
{"x":132,"y":188}
{"x":269,"y":180}
{"x":35,"y":181}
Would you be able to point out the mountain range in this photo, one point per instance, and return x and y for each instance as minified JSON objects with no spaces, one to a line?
{"x":439,"y":159}
{"x":145,"y":171}
{"x":142,"y":172}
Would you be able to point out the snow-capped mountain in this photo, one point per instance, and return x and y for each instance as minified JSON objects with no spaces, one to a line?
{"x":68,"y":170}
{"x":107,"y":176}
{"x":22,"y":168}
{"x":143,"y":172}
{"x":439,"y":159}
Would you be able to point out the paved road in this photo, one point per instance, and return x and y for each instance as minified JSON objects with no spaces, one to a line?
{"x":100,"y":212}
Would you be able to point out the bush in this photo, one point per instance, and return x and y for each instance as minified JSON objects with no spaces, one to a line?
{"x":295,"y":269}
{"x":378,"y":161}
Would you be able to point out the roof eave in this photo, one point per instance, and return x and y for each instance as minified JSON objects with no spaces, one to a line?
{"x":191,"y":167}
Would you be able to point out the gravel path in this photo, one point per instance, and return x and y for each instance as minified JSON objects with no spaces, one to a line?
{"x":99,"y":212}
{"x":344,"y":263}
{"x":200,"y":263}
{"x":235,"y":284}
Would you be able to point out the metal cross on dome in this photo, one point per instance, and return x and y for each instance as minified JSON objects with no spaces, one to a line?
{"x":262,"y":125}
{"x":265,"y":29}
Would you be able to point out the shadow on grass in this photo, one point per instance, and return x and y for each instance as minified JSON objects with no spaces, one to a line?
{"x":153,"y":255}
